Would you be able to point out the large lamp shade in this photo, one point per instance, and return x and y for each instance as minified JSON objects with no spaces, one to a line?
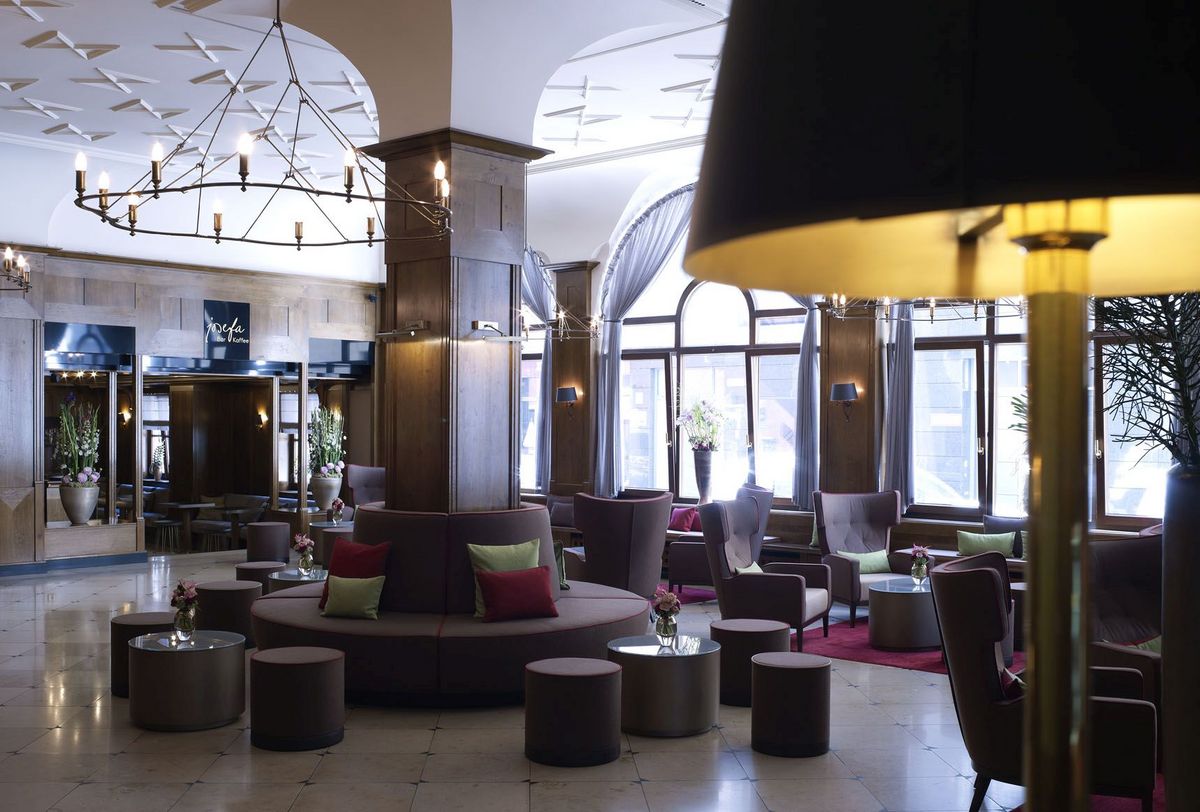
{"x":848,"y":149}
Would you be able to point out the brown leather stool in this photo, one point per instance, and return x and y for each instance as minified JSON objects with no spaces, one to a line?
{"x":572,"y":712}
{"x":740,"y":640}
{"x":225,"y":606}
{"x":790,"y":716}
{"x":268,"y":541}
{"x":122,"y":629}
{"x":258,"y":571}
{"x":297,"y":698}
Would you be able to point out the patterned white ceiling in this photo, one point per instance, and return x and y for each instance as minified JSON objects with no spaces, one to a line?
{"x":111,"y":77}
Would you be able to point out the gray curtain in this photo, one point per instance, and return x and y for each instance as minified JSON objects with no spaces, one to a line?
{"x":808,"y":381}
{"x":643,"y":250}
{"x":537,"y":291}
{"x":898,"y":412}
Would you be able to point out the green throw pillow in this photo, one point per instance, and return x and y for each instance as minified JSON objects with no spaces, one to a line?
{"x":1026,"y":538}
{"x":816,"y":542}
{"x":753,"y":567}
{"x":875,"y":563}
{"x":354,"y":597}
{"x":976,"y":543}
{"x":1153,"y":644}
{"x":501,"y":558}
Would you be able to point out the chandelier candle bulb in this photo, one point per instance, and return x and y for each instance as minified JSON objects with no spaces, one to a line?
{"x":445,"y":190}
{"x":8,"y":259}
{"x":134,"y":200}
{"x":299,"y":233}
{"x":245,"y":146}
{"x":80,"y":173}
{"x":348,"y":161}
{"x":439,"y":171}
{"x":370,"y":230}
{"x":156,"y":159}
{"x":217,"y":212}
{"x":104,"y":184}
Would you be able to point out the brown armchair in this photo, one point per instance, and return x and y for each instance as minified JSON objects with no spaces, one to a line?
{"x":971,"y":596}
{"x":857,"y":523}
{"x":366,"y":483}
{"x":687,"y":561}
{"x":622,"y":541}
{"x":796,"y":594}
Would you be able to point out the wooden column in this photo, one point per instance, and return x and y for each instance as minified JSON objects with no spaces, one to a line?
{"x":139,"y":473}
{"x":448,"y":396}
{"x":573,"y":441}
{"x":850,"y":448}
{"x":302,"y":449}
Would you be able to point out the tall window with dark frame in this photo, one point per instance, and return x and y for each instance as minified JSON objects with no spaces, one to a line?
{"x":530,"y":398}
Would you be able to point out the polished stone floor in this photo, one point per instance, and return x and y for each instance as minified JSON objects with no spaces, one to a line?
{"x":67,"y":744}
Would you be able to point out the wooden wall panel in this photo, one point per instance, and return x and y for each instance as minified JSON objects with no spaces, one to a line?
{"x":107,"y":293}
{"x":64,"y":289}
{"x":18,"y":366}
{"x":18,"y":520}
{"x":850,"y":449}
{"x":183,"y":487}
{"x":572,"y":442}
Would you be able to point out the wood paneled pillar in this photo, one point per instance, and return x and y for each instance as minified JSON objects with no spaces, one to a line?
{"x":573,"y":441}
{"x":448,"y":396}
{"x":850,"y":449}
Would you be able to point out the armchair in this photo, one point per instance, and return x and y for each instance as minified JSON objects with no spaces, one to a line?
{"x":687,"y":561}
{"x":857,"y":523}
{"x":622,"y":541}
{"x":796,"y":594}
{"x":971,"y":600}
{"x":366,"y":483}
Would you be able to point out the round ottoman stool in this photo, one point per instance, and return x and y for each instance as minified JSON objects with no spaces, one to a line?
{"x":122,"y":629}
{"x":195,"y":685}
{"x":297,"y":698}
{"x":790,"y":716}
{"x":572,"y":712}
{"x":225,"y":606}
{"x":259,"y":572}
{"x":740,"y":640}
{"x":268,"y":541}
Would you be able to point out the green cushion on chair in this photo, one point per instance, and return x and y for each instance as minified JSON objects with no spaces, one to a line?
{"x":976,"y":543}
{"x":354,"y":597}
{"x":875,"y":563}
{"x":501,"y":558}
{"x":752,"y":567}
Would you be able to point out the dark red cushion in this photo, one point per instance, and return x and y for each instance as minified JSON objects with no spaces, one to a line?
{"x":683,"y":519}
{"x":516,"y":594}
{"x":696,"y":528}
{"x":353,"y":560}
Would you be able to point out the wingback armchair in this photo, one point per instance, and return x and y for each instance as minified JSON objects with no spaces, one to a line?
{"x":687,"y":561}
{"x":971,"y":597}
{"x":796,"y":594}
{"x":622,"y":541}
{"x":366,"y":482}
{"x":857,"y":523}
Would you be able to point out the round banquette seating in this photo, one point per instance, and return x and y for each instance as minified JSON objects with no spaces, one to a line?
{"x":427,"y":647}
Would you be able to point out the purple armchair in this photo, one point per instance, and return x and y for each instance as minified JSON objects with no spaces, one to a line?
{"x":796,"y":594}
{"x":622,"y":541}
{"x":687,"y":561}
{"x":971,"y":597}
{"x":857,"y":523}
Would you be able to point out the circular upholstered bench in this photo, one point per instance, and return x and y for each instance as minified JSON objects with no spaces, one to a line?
{"x":258,"y":571}
{"x":790,"y":715}
{"x":122,"y":629}
{"x":297,"y":698}
{"x":268,"y":541}
{"x":225,"y":606}
{"x":572,"y":711}
{"x":740,"y":640}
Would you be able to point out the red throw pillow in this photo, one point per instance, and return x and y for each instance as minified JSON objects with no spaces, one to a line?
{"x":516,"y":594}
{"x":696,"y":528}
{"x":683,"y":519}
{"x":353,"y":560}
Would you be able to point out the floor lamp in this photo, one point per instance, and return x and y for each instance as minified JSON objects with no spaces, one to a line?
{"x":903,"y":154}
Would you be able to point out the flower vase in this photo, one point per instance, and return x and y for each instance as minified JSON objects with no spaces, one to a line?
{"x":305,"y":566}
{"x":665,"y":629}
{"x":185,"y":623}
{"x":325,"y":489}
{"x":79,"y":502}
{"x":919,"y":572}
{"x":703,"y":459}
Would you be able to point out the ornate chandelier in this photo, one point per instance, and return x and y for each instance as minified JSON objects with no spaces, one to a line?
{"x":16,"y":272}
{"x":932,"y":309}
{"x":204,"y":177}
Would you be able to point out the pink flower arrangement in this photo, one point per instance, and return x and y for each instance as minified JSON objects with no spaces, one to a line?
{"x":302,"y":544}
{"x":337,"y":505}
{"x":184,"y":595}
{"x":921,"y":554}
{"x":666,"y":602}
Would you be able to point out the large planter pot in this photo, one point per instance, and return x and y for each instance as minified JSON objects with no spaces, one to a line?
{"x":79,"y":503}
{"x":1181,"y":639}
{"x":325,"y":489}
{"x":703,"y":474}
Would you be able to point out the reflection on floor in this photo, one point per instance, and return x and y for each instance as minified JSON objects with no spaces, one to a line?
{"x":67,"y":744}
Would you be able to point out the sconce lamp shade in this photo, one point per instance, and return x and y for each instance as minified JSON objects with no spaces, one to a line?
{"x":843,"y":392}
{"x":565,"y":394}
{"x":881,"y":144}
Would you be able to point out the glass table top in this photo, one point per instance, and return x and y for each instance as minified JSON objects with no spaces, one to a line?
{"x":646,"y":645}
{"x":902,"y":583}
{"x":202,"y":640}
{"x":342,"y":525}
{"x":294,"y":575}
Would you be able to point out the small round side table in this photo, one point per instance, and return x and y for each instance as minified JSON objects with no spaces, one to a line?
{"x":187,"y":686}
{"x":667,"y":691}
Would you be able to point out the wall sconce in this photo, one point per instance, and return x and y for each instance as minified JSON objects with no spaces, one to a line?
{"x":846,"y":394}
{"x":567,"y":395}
{"x":126,"y":416}
{"x":262,"y":420}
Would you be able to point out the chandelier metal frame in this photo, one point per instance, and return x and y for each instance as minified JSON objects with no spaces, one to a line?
{"x":198,"y":177}
{"x":935,"y":310}
{"x":15,"y":274}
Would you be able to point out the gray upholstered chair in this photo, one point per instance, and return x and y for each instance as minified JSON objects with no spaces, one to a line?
{"x":857,"y":523}
{"x":687,"y":562}
{"x":366,"y":483}
{"x":971,"y":596}
{"x":623,"y":541}
{"x":796,"y":594}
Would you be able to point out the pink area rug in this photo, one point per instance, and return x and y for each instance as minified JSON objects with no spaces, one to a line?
{"x":1105,"y":803}
{"x":845,"y":643}
{"x":691,"y":594}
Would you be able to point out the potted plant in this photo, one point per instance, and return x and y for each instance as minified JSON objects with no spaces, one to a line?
{"x":76,"y":445}
{"x":702,"y":424}
{"x":1153,"y":384}
{"x":158,"y":458}
{"x":325,"y":455}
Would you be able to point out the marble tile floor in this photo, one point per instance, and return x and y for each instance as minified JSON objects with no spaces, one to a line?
{"x":67,"y":744}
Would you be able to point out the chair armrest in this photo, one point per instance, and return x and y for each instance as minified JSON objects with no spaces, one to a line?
{"x":575,"y":563}
{"x":766,"y":596}
{"x":901,"y":563}
{"x":1124,"y":744}
{"x":1118,"y":683}
{"x":815,"y":575}
{"x":843,"y":578}
{"x":1149,"y":663}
